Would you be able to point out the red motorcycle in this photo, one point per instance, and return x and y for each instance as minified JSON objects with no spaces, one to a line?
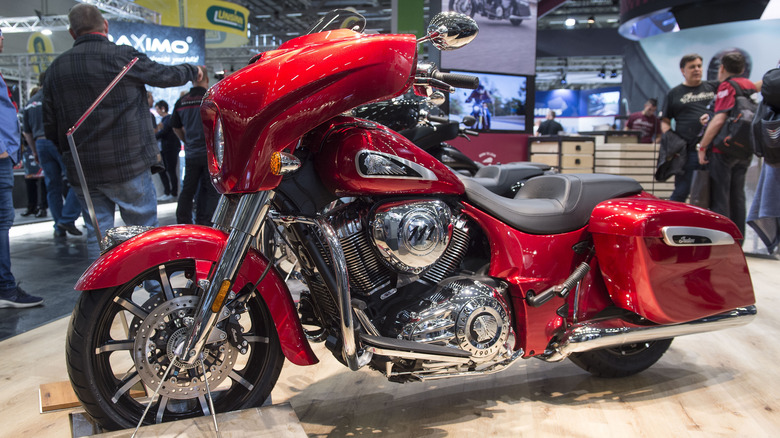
{"x":409,"y":270}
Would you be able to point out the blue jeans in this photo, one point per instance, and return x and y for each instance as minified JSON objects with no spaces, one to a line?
{"x":54,"y":172}
{"x":7,"y":214}
{"x":682,"y":183}
{"x":137,"y":202}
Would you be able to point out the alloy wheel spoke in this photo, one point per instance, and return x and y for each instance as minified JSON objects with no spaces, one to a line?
{"x":204,"y":405}
{"x":126,"y":387}
{"x":113,"y":345}
{"x":166,"y":283}
{"x":161,"y":409}
{"x":132,"y":307}
{"x":240,"y":379}
{"x":261,"y":339}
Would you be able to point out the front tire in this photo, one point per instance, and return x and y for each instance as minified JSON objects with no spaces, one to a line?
{"x":120,"y":338}
{"x":621,"y":361}
{"x":463,"y":6}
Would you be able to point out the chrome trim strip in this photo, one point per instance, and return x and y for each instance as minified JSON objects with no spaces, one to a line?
{"x":673,"y":236}
{"x":589,"y":336}
{"x":425,"y":174}
{"x":498,"y":367}
{"x":413,"y":355}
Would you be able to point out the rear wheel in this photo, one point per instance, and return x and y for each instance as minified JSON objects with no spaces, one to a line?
{"x":121,"y":341}
{"x":621,"y":361}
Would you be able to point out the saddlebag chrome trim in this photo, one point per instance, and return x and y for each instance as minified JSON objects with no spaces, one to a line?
{"x":695,"y":236}
{"x":589,"y":336}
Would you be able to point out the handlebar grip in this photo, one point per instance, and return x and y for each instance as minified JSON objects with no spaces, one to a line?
{"x":437,"y":119}
{"x":457,"y":80}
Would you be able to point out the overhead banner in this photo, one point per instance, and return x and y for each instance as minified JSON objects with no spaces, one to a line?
{"x":225,"y":23}
{"x":164,"y":44}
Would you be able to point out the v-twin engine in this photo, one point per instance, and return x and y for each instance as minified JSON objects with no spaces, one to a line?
{"x":404,"y":260}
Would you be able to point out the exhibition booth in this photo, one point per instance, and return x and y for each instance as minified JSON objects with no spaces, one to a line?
{"x":346,"y":257}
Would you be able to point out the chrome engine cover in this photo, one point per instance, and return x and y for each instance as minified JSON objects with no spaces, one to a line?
{"x":462,"y":312}
{"x":411,"y":235}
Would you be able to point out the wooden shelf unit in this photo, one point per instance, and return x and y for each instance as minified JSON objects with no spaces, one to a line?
{"x":565,"y":154}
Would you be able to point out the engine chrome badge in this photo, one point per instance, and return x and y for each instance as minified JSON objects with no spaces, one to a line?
{"x":372,"y":164}
{"x":411,"y":235}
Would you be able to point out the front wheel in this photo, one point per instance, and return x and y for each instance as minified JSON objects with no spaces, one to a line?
{"x":121,"y":340}
{"x":621,"y":361}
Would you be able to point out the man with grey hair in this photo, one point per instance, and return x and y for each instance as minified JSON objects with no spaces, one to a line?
{"x":116,"y":143}
{"x":685,"y":105}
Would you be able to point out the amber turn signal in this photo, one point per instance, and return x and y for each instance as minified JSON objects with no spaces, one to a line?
{"x":283,"y":163}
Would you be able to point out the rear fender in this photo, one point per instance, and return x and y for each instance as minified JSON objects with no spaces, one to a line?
{"x":177,"y":242}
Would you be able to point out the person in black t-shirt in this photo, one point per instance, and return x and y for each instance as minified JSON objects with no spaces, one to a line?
{"x":188,"y":126}
{"x":685,"y":105}
{"x":549,"y":126}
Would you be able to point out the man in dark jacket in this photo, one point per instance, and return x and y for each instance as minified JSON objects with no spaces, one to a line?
{"x":685,"y":104}
{"x":170,"y":146}
{"x":188,"y":126}
{"x":549,"y":126}
{"x":116,"y":143}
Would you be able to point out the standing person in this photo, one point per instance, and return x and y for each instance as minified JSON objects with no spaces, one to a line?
{"x":549,"y":126}
{"x":188,"y":126}
{"x":64,"y":214}
{"x":170,"y":146}
{"x":685,"y":104}
{"x":727,"y":174}
{"x":646,"y":122}
{"x":11,"y":295}
{"x":116,"y":143}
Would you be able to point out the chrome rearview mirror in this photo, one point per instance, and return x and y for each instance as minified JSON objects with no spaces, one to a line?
{"x":451,"y":30}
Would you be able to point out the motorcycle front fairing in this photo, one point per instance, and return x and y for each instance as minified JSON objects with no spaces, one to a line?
{"x":268,"y":105}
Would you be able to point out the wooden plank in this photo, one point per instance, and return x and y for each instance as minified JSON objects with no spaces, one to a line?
{"x":549,"y":159}
{"x":625,"y":154}
{"x":545,"y":147}
{"x":622,"y":162}
{"x":640,"y":147}
{"x":59,"y":395}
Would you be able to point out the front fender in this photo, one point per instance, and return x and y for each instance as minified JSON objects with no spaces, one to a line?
{"x":204,"y":245}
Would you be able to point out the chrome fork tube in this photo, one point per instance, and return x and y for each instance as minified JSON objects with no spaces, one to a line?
{"x":249,"y":216}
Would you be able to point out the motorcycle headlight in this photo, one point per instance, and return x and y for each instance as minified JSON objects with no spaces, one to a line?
{"x":219,"y":141}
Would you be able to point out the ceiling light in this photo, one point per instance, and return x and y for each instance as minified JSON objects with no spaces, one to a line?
{"x":570,"y":22}
{"x":613,"y":73}
{"x":603,"y":72}
{"x":591,"y":19}
{"x":46,"y":32}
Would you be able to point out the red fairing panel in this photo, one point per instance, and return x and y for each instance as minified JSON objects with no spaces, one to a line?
{"x":345,"y":144}
{"x":535,"y":262}
{"x":668,"y":284}
{"x":268,"y":105}
{"x":177,"y":242}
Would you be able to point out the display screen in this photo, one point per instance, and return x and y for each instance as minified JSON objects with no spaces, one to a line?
{"x":499,"y":104}
{"x":601,"y":102}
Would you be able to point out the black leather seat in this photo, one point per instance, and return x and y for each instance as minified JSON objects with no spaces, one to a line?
{"x":550,"y":204}
{"x":500,"y":178}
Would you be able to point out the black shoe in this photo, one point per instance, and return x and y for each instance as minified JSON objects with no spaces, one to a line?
{"x":18,"y":299}
{"x":41,"y":213}
{"x":59,"y":233}
{"x":30,"y":212}
{"x":70,"y":228}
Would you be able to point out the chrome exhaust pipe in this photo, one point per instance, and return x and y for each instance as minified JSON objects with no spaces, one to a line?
{"x":615,"y":332}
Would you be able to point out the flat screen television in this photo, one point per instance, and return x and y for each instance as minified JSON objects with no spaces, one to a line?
{"x":600,"y":101}
{"x":501,"y":104}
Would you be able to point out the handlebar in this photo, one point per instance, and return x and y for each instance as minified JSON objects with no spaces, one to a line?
{"x":457,"y":80}
{"x":437,"y":119}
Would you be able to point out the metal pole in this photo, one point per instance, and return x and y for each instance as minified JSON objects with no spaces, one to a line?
{"x":74,"y":150}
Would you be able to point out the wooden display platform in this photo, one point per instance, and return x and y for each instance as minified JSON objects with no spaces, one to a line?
{"x":634,"y":160}
{"x":268,"y":421}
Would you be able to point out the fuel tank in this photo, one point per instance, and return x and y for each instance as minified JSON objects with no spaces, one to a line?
{"x":357,"y":157}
